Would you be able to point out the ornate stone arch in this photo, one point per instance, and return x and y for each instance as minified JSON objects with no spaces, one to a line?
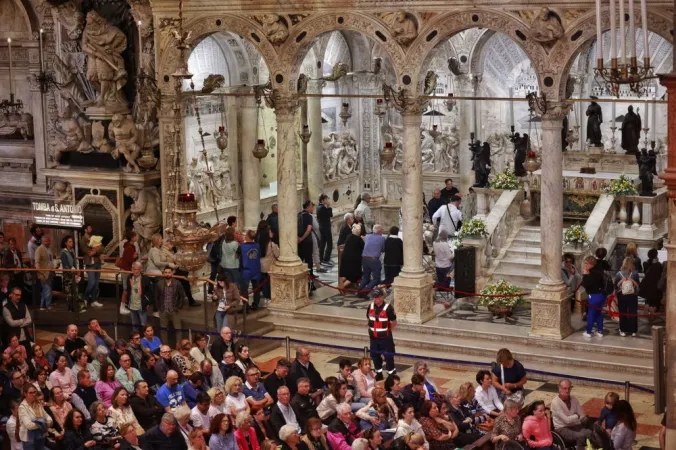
{"x":446,"y":25}
{"x":93,"y":199}
{"x":303,"y":34}
{"x":477,"y":54}
{"x":583,"y":30}
{"x":201,"y":27}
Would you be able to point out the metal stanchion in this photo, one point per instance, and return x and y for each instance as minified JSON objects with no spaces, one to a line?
{"x":190,"y":334}
{"x":659,"y":369}
{"x":115,"y":330}
{"x":35,"y":339}
{"x":244,"y":319}
{"x":206,"y":315}
{"x":366,"y":352}
{"x":287,"y":344}
{"x":627,"y":390}
{"x":117,"y":296}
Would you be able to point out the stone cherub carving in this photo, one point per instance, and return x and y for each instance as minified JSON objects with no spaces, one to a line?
{"x":404,"y":28}
{"x":70,"y":135}
{"x":123,"y":131}
{"x":274,"y":28}
{"x":99,"y":141}
{"x":146,"y":212}
{"x":103,"y":44}
{"x":62,"y":192}
{"x":546,"y":26}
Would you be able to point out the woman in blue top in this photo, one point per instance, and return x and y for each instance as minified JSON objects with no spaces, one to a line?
{"x":70,"y":279}
{"x":222,"y":433}
{"x":626,"y":289}
{"x":149,"y":340}
{"x":251,"y":267}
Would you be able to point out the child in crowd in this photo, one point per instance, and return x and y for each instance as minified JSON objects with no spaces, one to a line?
{"x":607,"y":418}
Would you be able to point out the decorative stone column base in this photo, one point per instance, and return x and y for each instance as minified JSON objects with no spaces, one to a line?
{"x":289,"y":288}
{"x":413,"y":298}
{"x":550,"y":312}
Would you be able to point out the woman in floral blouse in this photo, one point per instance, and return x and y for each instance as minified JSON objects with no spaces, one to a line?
{"x":438,"y":432}
{"x":184,"y":359}
{"x":508,"y":425}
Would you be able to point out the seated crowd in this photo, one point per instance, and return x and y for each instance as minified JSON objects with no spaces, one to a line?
{"x":94,"y":392}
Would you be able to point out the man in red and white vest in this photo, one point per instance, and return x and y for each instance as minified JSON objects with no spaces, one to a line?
{"x":382,"y":320}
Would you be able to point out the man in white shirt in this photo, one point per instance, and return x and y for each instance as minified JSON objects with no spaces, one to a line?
{"x":487,"y":395}
{"x":568,"y":417}
{"x":282,"y":413}
{"x":363,"y":212}
{"x":450,"y":216}
{"x":199,"y":415}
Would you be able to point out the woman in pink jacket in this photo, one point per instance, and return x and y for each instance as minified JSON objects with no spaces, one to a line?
{"x":536,"y":428}
{"x":364,"y":378}
{"x":107,"y":384}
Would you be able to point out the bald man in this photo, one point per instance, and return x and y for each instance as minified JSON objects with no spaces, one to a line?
{"x":170,"y":395}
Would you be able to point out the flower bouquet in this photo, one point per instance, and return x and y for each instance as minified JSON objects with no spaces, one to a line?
{"x":505,"y":180}
{"x":575,"y":235}
{"x":473,"y":228}
{"x":500,"y":297}
{"x":621,"y":186}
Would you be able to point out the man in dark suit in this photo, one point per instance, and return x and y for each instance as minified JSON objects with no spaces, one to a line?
{"x":282,"y":413}
{"x":303,"y":368}
{"x":164,"y":436}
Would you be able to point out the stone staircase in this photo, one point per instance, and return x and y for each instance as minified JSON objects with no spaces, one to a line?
{"x":520,"y":262}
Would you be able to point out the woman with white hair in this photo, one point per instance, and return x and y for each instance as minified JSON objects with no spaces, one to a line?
{"x":246,"y":434}
{"x":443,"y":259}
{"x":346,"y":229}
{"x":431,"y":389}
{"x":289,"y":436}
{"x":350,"y":263}
{"x":182,"y":416}
{"x":100,"y":357}
{"x":342,"y":431}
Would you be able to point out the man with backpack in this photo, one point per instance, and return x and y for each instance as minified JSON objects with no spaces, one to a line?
{"x":305,"y":246}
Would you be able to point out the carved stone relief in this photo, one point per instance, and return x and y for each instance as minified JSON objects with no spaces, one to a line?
{"x":546,"y":27}
{"x":403,"y":26}
{"x":63,"y":193}
{"x":340,"y":155}
{"x":146,"y":213}
{"x":274,"y":27}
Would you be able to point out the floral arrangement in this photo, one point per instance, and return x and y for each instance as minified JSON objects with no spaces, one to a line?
{"x":454,"y":243}
{"x":622,"y":186}
{"x":505,"y":180}
{"x":575,"y":234}
{"x":511,"y":292}
{"x":472,"y":228}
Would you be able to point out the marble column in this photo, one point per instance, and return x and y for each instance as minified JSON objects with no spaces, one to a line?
{"x":413,"y":291}
{"x":550,"y":308}
{"x":669,"y":176}
{"x":251,"y":191}
{"x":288,"y":276}
{"x":315,"y":149}
{"x":463,"y":85}
{"x":38,"y":107}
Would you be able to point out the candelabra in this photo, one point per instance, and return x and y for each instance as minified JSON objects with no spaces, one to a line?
{"x":450,"y":103}
{"x":613,"y":139}
{"x":632,"y":75}
{"x":645,"y":141}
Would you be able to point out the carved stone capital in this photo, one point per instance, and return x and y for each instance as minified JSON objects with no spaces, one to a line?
{"x":285,"y":105}
{"x":557,"y":110}
{"x":404,"y":101}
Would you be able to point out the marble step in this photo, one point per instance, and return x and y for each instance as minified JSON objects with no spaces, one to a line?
{"x":533,"y":228}
{"x":529,"y":253}
{"x":527,"y":266}
{"x":445,"y":329}
{"x":568,"y":362}
{"x":525,"y":241}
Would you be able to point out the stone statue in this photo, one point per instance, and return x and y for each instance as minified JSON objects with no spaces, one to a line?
{"x":222,"y":177}
{"x":67,"y":75}
{"x":99,"y":141}
{"x":103,"y":44}
{"x":146,"y":212}
{"x":521,"y":146}
{"x":427,"y":151}
{"x":564,"y":133}
{"x":123,"y":131}
{"x":500,"y":156}
{"x":481,"y":162}
{"x":404,"y":28}
{"x":646,"y":169}
{"x":70,"y":135}
{"x":199,"y":182}
{"x":446,"y":158}
{"x":631,"y":131}
{"x":70,"y":17}
{"x":340,"y":155}
{"x":273,"y":27}
{"x":546,"y":27}
{"x":62,"y":192}
{"x":594,"y":121}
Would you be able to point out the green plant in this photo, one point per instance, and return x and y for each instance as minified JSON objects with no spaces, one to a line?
{"x":501,"y":295}
{"x":621,"y":186}
{"x":575,"y":234}
{"x":472,"y":228}
{"x":505,"y":180}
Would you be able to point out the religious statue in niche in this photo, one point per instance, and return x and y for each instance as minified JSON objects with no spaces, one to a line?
{"x":274,"y":28}
{"x":222,"y":177}
{"x":647,"y":167}
{"x":70,"y":135}
{"x":446,"y":146}
{"x":340,"y":155}
{"x":500,"y":156}
{"x":631,"y":132}
{"x":546,"y":27}
{"x":427,"y":151}
{"x":481,"y":162}
{"x":403,"y":27}
{"x":521,"y":147}
{"x":103,"y":44}
{"x":123,"y":131}
{"x":594,"y":121}
{"x":146,"y":213}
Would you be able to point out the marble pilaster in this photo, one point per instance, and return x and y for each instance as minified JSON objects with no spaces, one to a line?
{"x":288,"y":276}
{"x":413,"y":287}
{"x":463,"y":88}
{"x":38,"y":108}
{"x":669,"y":176}
{"x":251,"y":192}
{"x":315,"y":148}
{"x":550,"y":310}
